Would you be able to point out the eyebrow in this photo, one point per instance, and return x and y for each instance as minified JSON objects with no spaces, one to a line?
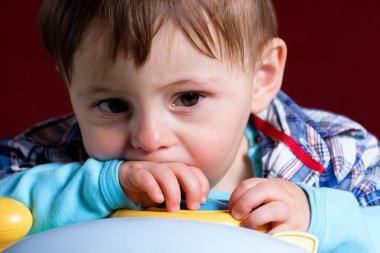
{"x":93,"y":90}
{"x":198,"y":81}
{"x":97,"y":90}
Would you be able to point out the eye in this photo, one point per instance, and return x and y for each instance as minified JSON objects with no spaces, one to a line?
{"x":188,"y":99}
{"x":113,"y":106}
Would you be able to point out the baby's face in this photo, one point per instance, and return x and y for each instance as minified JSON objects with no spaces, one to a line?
{"x":180,"y":106}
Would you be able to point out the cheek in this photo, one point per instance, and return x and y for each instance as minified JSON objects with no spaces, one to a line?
{"x":214,"y":150}
{"x":103,"y":144}
{"x":220,"y":139}
{"x":212,"y":158}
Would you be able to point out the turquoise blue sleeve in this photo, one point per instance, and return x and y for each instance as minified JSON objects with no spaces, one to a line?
{"x":60,"y":194}
{"x":340,"y":224}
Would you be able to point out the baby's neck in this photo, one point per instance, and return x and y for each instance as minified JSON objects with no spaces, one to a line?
{"x":240,"y":170}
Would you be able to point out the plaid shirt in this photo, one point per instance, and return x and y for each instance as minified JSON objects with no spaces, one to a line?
{"x":350,"y":155}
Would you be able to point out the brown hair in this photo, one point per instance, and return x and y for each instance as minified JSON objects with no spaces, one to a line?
{"x":241,"y":26}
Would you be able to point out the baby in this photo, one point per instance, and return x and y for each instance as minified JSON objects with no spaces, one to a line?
{"x":174,"y":98}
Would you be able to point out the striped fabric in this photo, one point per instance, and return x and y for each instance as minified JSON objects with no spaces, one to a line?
{"x":350,"y":155}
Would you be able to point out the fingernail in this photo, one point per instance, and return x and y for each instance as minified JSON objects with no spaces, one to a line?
{"x":204,"y":200}
{"x":175,"y":209}
{"x":195,"y":206}
{"x":160,"y":197}
{"x":236,"y":214}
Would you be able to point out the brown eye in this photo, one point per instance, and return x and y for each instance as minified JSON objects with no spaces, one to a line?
{"x":188,"y":99}
{"x":113,"y":106}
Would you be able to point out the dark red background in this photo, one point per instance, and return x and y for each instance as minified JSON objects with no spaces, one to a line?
{"x":333,"y":61}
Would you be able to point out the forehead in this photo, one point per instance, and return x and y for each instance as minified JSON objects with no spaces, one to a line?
{"x":167,"y":32}
{"x":171,"y":51}
{"x":237,"y":24}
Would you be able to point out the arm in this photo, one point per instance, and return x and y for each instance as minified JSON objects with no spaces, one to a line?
{"x":333,"y":216}
{"x":337,"y":220}
{"x":348,"y":220}
{"x":59,"y":194}
{"x":340,"y":224}
{"x":39,"y":169}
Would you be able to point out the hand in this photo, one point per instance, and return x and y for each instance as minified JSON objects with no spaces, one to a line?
{"x":150,"y":183}
{"x":278,"y":202}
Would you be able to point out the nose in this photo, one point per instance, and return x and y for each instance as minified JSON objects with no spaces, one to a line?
{"x":151,"y":133}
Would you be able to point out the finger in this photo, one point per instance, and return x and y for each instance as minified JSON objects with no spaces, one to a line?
{"x":143,"y":180}
{"x":283,"y":227}
{"x":242,"y":188}
{"x":204,"y":184}
{"x":169,"y":185}
{"x":274,"y":212}
{"x":146,"y":202}
{"x":191,"y":185}
{"x":259,"y":194}
{"x":195,"y":185}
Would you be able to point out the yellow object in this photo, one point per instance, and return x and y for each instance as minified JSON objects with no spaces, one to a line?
{"x":304,"y":240}
{"x":300,"y":239}
{"x":15,"y":221}
{"x":217,"y":216}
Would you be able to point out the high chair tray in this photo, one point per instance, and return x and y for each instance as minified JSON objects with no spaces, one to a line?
{"x":151,"y":235}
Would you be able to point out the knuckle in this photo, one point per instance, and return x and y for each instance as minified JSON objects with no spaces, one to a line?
{"x":243,"y":206}
{"x":142,"y":174}
{"x":165,"y":172}
{"x":273,"y":210}
{"x":250,"y":222}
{"x":244,"y":185}
{"x":196,"y":170}
{"x":127,"y":167}
{"x":190,"y":187}
{"x":205,"y":188}
{"x":265,"y":187}
{"x":279,"y":210}
{"x":177,"y":166}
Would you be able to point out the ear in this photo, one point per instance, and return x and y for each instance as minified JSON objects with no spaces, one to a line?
{"x":267,"y":78}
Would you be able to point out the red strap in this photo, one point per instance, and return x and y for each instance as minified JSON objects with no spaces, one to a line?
{"x":273,"y":133}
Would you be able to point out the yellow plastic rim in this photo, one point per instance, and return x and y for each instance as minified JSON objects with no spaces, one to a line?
{"x":217,"y":216}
